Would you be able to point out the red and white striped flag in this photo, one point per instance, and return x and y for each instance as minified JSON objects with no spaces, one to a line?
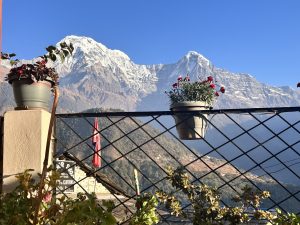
{"x":97,"y":145}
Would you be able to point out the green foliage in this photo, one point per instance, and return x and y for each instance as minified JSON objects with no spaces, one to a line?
{"x":86,"y":210}
{"x":250,"y":198}
{"x":283,"y":219}
{"x":205,"y":202}
{"x":145,"y":211}
{"x":62,"y":52}
{"x":38,"y":71}
{"x":18,"y":207}
{"x":185,"y":90}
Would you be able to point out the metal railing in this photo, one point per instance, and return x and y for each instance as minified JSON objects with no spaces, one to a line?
{"x":259,"y":147}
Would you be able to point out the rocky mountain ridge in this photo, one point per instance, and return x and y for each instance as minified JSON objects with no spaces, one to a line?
{"x":96,"y":76}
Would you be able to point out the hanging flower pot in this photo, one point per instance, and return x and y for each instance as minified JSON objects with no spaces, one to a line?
{"x":189,"y":126}
{"x":187,"y":96}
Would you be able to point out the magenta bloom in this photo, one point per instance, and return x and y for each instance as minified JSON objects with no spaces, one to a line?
{"x":210,"y":78}
{"x":20,"y":72}
{"x":217,"y":94}
{"x":179,"y":78}
{"x":47,"y":197}
{"x":222,"y":89}
{"x":175,"y":85}
{"x":212,"y":85}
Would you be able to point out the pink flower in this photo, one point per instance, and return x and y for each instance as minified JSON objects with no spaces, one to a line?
{"x":179,"y":78}
{"x":47,"y":197}
{"x":212,"y":85}
{"x":43,"y":62}
{"x":222,"y":89}
{"x":217,"y":94}
{"x":187,"y":78}
{"x":175,"y":85}
{"x":20,"y":72}
{"x":210,"y":78}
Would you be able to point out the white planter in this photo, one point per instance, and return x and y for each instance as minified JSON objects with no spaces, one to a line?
{"x":190,"y":127}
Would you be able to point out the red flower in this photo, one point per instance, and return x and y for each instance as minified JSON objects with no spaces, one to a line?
{"x":43,"y":62}
{"x":175,"y":85}
{"x":179,"y":78}
{"x":222,"y":89}
{"x":298,"y":85}
{"x":137,"y":205}
{"x":212,"y":85}
{"x":217,"y":94}
{"x":20,"y":72}
{"x":210,"y":78}
{"x":47,"y":197}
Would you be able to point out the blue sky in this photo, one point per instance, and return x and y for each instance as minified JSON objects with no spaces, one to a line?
{"x":259,"y":37}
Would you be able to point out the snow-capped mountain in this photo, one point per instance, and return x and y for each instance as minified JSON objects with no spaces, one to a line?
{"x":96,"y":76}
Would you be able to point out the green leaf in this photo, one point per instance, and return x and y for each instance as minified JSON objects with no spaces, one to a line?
{"x":65,"y":52}
{"x":50,"y":48}
{"x":13,"y":62}
{"x":63,"y":44}
{"x":62,"y":56}
{"x":52,"y":57}
{"x":71,"y":46}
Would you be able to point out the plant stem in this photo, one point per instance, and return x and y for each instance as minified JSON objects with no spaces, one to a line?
{"x":46,"y":159}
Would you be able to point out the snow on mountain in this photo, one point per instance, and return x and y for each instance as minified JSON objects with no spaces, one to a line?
{"x":96,"y":76}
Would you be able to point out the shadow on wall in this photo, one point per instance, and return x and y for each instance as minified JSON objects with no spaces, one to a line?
{"x":10,"y":182}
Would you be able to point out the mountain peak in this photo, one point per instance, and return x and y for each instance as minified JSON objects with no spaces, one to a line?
{"x":195,"y":55}
{"x":194,"y":58}
{"x":88,"y":45}
{"x":84,"y":43}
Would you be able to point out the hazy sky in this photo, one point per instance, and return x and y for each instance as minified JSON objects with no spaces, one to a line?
{"x":259,"y":37}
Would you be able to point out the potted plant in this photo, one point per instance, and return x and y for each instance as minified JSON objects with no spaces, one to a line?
{"x":187,"y":96}
{"x":32,"y":82}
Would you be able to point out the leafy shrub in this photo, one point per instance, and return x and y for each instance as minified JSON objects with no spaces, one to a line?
{"x":18,"y":207}
{"x":146,"y":211}
{"x":207,"y":209}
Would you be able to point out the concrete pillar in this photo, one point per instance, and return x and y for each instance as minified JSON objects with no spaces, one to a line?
{"x":24,"y":143}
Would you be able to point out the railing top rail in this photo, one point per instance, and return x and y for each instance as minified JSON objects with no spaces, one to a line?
{"x":153,"y":113}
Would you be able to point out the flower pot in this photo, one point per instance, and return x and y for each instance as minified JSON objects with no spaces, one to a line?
{"x":188,"y":126}
{"x":32,"y":95}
